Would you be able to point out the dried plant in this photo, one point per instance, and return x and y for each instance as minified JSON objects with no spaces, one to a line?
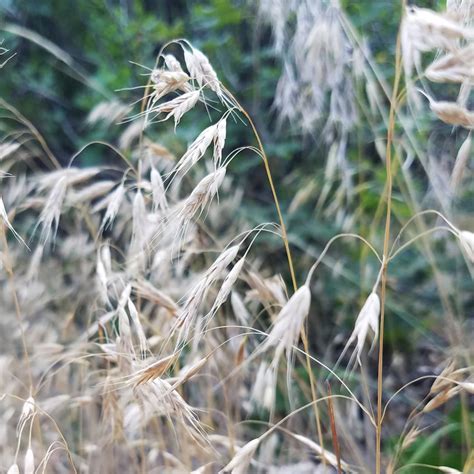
{"x":153,"y":335}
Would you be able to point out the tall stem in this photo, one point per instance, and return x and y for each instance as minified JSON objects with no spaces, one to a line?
{"x":304,"y":338}
{"x":266,"y":164}
{"x":284,"y":236}
{"x":386,"y":247}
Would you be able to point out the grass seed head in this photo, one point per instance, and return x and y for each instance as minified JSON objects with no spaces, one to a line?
{"x":368,"y":319}
{"x":263,"y":391}
{"x":155,"y":370}
{"x":467,"y":243}
{"x":196,"y":150}
{"x":239,"y":309}
{"x":456,"y":67}
{"x":227,"y":285}
{"x":49,"y":218}
{"x":467,"y":386}
{"x":203,"y":194}
{"x":325,"y":454}
{"x":13,"y":469}
{"x":219,"y":141}
{"x":240,"y":463}
{"x":201,"y":70}
{"x":172,"y":63}
{"x":108,"y":112}
{"x":287,"y":328}
{"x":158,"y":191}
{"x":165,"y":82}
{"x":29,"y":462}
{"x":461,"y":163}
{"x":176,"y":107}
{"x":453,"y":114}
{"x":113,"y":202}
{"x":7,"y":148}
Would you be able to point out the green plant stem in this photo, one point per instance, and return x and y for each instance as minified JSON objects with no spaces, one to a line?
{"x":386,"y":248}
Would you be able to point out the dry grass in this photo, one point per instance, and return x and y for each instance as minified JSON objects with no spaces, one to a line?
{"x":142,"y":334}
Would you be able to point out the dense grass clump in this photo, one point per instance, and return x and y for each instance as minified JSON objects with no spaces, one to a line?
{"x":149,"y":325}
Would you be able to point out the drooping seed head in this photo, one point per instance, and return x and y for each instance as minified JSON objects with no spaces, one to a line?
{"x":201,"y":70}
{"x":368,"y":319}
{"x":13,"y":469}
{"x":467,"y":243}
{"x":29,"y":462}
{"x":240,"y":463}
{"x":286,"y":331}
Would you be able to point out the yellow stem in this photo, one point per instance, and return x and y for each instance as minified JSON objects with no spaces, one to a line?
{"x":386,"y":249}
{"x":284,"y":236}
{"x":266,"y":164}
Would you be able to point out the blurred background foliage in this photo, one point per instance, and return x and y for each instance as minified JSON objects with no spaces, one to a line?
{"x":106,"y":40}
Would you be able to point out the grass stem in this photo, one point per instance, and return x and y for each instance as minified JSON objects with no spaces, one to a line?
{"x":386,"y":247}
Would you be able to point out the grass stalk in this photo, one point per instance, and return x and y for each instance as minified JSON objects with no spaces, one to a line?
{"x":266,"y":164}
{"x":284,"y":236}
{"x":386,"y":246}
{"x":335,"y":440}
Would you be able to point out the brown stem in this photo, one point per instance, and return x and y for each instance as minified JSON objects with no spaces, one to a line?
{"x":335,"y":441}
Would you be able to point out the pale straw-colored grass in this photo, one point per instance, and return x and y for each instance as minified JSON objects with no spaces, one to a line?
{"x":154,"y":335}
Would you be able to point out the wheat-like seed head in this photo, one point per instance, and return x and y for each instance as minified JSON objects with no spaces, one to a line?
{"x":165,"y":82}
{"x":328,"y":456}
{"x":467,"y":242}
{"x":13,"y":469}
{"x":29,"y":462}
{"x":240,"y":463}
{"x":158,"y":190}
{"x":263,"y":391}
{"x":108,"y":112}
{"x":201,"y":70}
{"x":196,"y":150}
{"x":289,"y":323}
{"x":367,"y":320}
{"x":175,"y":108}
{"x":462,"y":159}
{"x":49,"y":218}
{"x":240,"y":311}
{"x":226,"y":287}
{"x":456,"y":67}
{"x":27,"y":412}
{"x":135,"y":330}
{"x":453,"y":114}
